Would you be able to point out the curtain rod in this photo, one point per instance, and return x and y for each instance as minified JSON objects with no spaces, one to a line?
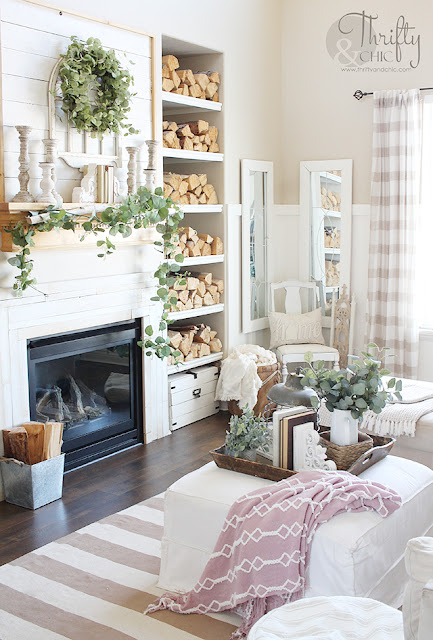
{"x":361,"y":94}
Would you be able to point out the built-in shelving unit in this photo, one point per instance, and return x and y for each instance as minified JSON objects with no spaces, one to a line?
{"x":180,"y":155}
{"x":174,"y":103}
{"x":197,"y":362}
{"x":206,"y":219}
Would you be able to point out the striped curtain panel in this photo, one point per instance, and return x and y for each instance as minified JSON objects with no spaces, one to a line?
{"x":395,"y":196}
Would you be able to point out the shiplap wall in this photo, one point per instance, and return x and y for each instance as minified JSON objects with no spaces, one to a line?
{"x":32,"y":38}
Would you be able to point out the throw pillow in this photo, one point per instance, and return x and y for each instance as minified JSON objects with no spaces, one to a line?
{"x":296,"y":328}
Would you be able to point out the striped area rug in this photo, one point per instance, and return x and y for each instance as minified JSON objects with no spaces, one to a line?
{"x":95,"y":584}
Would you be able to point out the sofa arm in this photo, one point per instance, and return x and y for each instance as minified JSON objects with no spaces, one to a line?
{"x":425,"y":629}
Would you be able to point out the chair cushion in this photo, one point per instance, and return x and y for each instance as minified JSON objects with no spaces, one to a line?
{"x":296,"y":328}
{"x":286,"y":352}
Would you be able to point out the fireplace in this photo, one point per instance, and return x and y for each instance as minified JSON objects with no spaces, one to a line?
{"x":92,"y":382}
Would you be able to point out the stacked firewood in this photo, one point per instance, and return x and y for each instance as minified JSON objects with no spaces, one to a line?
{"x":330,"y":199}
{"x":332,"y":273}
{"x":192,"y":244}
{"x":194,"y":341}
{"x":33,"y":442}
{"x":199,"y":290}
{"x":185,"y":82}
{"x":189,"y":189}
{"x":332,"y":238}
{"x":198,"y":135}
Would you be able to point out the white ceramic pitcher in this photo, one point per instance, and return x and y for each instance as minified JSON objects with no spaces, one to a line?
{"x":344,"y":428}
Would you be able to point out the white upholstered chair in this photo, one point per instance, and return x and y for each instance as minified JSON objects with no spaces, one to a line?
{"x":341,"y":616}
{"x":294,"y":353}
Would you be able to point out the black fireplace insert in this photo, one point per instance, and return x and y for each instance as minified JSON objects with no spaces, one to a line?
{"x":92,"y":382}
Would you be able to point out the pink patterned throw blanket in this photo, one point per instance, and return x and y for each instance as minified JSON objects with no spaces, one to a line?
{"x":261,"y":556}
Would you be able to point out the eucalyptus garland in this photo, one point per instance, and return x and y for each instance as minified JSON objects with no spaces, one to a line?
{"x":138,"y":211}
{"x":95,"y":88}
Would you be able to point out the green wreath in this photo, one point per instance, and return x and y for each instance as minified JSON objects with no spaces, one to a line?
{"x":95,"y":88}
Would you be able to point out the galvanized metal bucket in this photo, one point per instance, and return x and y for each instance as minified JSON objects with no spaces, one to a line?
{"x":33,"y":486}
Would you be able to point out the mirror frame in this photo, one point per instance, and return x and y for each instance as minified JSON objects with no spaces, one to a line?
{"x":249,"y":325}
{"x":305,"y":200}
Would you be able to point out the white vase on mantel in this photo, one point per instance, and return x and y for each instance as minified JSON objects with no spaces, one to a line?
{"x":344,"y":428}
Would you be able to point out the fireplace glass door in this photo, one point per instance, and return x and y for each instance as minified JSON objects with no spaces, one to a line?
{"x":90,"y":381}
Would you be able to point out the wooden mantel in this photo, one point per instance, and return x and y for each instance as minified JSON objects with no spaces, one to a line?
{"x":13,"y":212}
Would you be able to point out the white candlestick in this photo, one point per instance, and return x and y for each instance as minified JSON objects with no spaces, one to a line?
{"x":23,"y":194}
{"x":50,"y":145}
{"x":132,"y":169}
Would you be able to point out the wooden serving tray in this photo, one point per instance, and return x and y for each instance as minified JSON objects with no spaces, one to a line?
{"x":264,"y":469}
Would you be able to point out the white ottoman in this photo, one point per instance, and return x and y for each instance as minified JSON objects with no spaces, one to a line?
{"x":353,"y":554}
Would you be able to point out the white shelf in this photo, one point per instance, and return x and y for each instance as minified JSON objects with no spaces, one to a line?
{"x":190,"y":262}
{"x":331,"y":289}
{"x":201,"y":208}
{"x":334,"y":252}
{"x":329,"y":213}
{"x":331,"y":177}
{"x":180,"y":155}
{"x":196,"y":313}
{"x":196,"y":362}
{"x":174,"y":103}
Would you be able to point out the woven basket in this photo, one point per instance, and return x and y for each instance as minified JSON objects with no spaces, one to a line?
{"x":344,"y":457}
{"x":269,"y":376}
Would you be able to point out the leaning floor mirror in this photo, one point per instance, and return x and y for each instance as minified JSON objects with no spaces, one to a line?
{"x":257,"y":201}
{"x":326,"y":229}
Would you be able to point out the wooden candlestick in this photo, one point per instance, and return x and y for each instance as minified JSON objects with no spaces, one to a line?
{"x":23,"y":194}
{"x":47,"y":184}
{"x":132,"y":169}
{"x":152,"y":146}
{"x":50,"y":145}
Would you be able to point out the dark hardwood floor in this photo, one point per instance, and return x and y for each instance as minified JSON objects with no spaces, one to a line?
{"x":109,"y":485}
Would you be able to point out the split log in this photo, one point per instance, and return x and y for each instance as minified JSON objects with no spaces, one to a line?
{"x":213,"y":133}
{"x":174,"y":77}
{"x":6,"y":446}
{"x":166,"y":71}
{"x":207,"y":299}
{"x":213,"y":289}
{"x":171,"y":62}
{"x":168,"y":189}
{"x":198,"y":191}
{"x":18,"y":444}
{"x":198,"y":302}
{"x":186,"y":76}
{"x":203,"y":178}
{"x":206,"y":237}
{"x":208,"y":190}
{"x":213,"y":199}
{"x":183,"y":296}
{"x":168,"y":137}
{"x":202,"y":335}
{"x":185,"y":346}
{"x":202,"y":199}
{"x":211,"y":89}
{"x":194,"y":249}
{"x":184,"y":130}
{"x":201,"y":288}
{"x":182,"y":90}
{"x":219,"y":283}
{"x":53,"y":434}
{"x":215,"y":97}
{"x":202,"y":79}
{"x":167,"y":84}
{"x":175,"y":338}
{"x":195,"y":91}
{"x":197,"y":146}
{"x":179,"y":287}
{"x":207,"y":250}
{"x":204,"y":350}
{"x":214,"y":76}
{"x":214,"y":147}
{"x":200,"y":244}
{"x":186,"y":143}
{"x":35,"y":440}
{"x":189,"y":357}
{"x":193,"y":198}
{"x":175,"y":195}
{"x":183,"y":187}
{"x":217,"y":247}
{"x":195,"y":349}
{"x":184,"y":199}
{"x":191,"y":283}
{"x":174,"y":179}
{"x":190,"y":232}
{"x":188,"y":305}
{"x":212,"y":334}
{"x":215,"y":345}
{"x":198,"y":127}
{"x":193,"y":181}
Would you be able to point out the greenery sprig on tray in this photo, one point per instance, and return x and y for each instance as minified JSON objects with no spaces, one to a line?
{"x":356,"y":389}
{"x":138,"y":211}
{"x":247,"y":431}
{"x":95,"y":88}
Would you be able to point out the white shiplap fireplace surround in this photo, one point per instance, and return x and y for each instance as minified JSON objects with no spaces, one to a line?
{"x":77,"y":304}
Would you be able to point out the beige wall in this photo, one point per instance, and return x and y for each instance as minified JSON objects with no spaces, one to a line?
{"x":321,"y":118}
